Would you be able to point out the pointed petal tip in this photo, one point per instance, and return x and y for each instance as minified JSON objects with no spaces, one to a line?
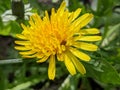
{"x":43,"y":59}
{"x":100,"y":37}
{"x":86,"y":59}
{"x":51,"y":77}
{"x":84,"y":72}
{"x":63,"y":3}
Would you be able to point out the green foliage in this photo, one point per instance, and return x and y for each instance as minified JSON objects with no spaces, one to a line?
{"x":103,"y":69}
{"x":107,"y":73}
{"x":12,"y":28}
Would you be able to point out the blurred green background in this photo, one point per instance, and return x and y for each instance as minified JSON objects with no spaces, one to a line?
{"x":103,"y":71}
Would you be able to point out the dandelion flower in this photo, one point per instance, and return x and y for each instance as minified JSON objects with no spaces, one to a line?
{"x":58,"y":37}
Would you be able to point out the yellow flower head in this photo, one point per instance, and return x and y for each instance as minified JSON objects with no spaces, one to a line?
{"x":58,"y":37}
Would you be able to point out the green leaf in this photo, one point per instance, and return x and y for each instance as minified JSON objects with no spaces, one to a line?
{"x":111,"y":35}
{"x":15,"y":28}
{"x":5,"y":30}
{"x":107,"y":74}
{"x":113,"y":29}
{"x":12,"y":28}
{"x":104,"y":7}
{"x":27,"y":84}
{"x":110,"y":75}
{"x":70,"y":83}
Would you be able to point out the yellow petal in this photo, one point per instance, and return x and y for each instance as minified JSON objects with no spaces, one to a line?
{"x":83,"y":20}
{"x":21,"y":48}
{"x":86,"y":20}
{"x":74,"y":15}
{"x":89,"y":31}
{"x":79,"y":23}
{"x":78,"y":65}
{"x":25,"y":29}
{"x":23,"y":26}
{"x":31,"y":24}
{"x":37,"y":19}
{"x":51,"y":69}
{"x":85,"y":46}
{"x":31,"y":56}
{"x":27,"y":53}
{"x":47,"y":16}
{"x":53,"y":11}
{"x":39,"y":55}
{"x":88,"y":38}
{"x":60,"y":57}
{"x":61,"y":8}
{"x":23,"y":42}
{"x":79,"y":54}
{"x":21,"y":36}
{"x":69,"y":65}
{"x":43,"y":59}
{"x":73,"y":30}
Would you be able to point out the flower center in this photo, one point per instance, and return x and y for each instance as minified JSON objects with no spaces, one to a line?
{"x":63,"y":42}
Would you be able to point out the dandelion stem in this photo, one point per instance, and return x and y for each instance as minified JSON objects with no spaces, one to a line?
{"x":11,"y":61}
